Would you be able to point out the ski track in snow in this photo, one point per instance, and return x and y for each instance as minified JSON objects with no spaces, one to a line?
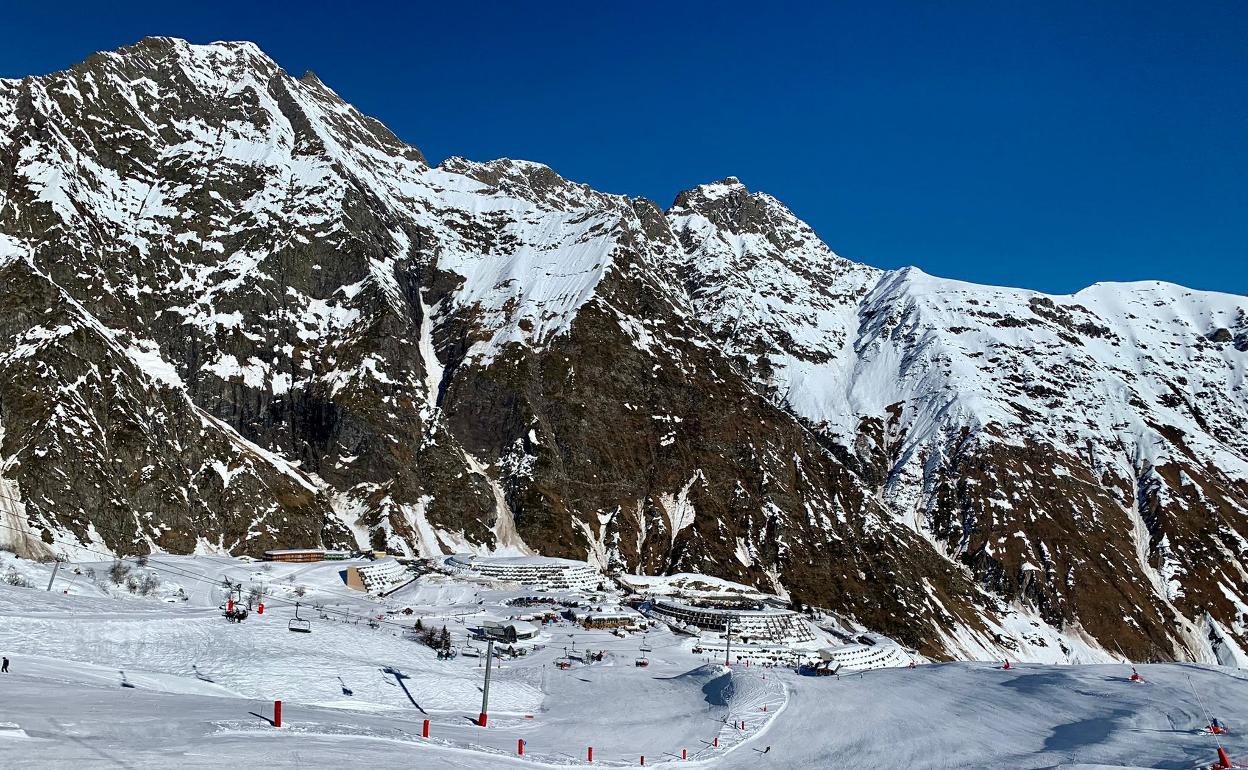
{"x":100,"y":678}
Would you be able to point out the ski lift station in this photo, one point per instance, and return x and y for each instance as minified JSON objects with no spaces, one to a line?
{"x":509,"y":630}
{"x":534,"y":571}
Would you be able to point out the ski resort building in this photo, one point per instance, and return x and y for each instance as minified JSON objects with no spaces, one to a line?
{"x":761,"y":624}
{"x":377,"y":577}
{"x":296,"y":554}
{"x":606,"y":617}
{"x":509,"y":630}
{"x":535,"y":571}
{"x":859,"y":657}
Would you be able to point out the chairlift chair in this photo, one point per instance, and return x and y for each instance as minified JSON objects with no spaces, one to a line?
{"x":642,"y":662}
{"x":298,"y":624}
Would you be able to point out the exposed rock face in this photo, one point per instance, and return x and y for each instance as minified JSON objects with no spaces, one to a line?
{"x":1082,"y":454}
{"x":238,"y":313}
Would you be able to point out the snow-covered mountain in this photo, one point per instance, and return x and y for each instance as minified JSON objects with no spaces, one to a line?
{"x":239,"y":313}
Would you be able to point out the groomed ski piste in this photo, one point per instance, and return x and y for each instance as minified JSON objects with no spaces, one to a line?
{"x":101,"y":677}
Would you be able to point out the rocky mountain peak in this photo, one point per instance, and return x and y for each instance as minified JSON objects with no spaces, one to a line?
{"x":160,"y":57}
{"x":535,"y":183}
{"x":728,"y":204}
{"x":752,"y":225}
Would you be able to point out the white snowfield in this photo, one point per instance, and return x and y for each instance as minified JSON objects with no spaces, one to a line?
{"x":101,"y":678}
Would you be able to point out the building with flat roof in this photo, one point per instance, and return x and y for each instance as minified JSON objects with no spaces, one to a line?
{"x":607,"y":617}
{"x":534,"y":571}
{"x":857,"y":657}
{"x":378,"y":576}
{"x":295,"y":554}
{"x":763,"y":624}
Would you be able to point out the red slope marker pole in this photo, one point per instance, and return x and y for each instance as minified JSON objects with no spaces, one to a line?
{"x":424,"y":729}
{"x":590,"y":756}
{"x":277,"y":713}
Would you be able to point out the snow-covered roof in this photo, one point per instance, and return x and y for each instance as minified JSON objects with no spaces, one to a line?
{"x":520,"y":626}
{"x":689,"y":584}
{"x":517,"y":561}
{"x":605,"y":612}
{"x":733,"y":611}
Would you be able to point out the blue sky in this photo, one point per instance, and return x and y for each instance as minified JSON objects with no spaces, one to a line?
{"x":1043,"y":144}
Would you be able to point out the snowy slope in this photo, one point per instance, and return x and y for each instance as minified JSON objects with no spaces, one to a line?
{"x":239,"y":313}
{"x":766,"y":285}
{"x":182,"y":686}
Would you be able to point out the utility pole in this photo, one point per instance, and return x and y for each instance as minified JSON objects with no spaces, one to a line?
{"x":485,"y":691}
{"x":727,"y":637}
{"x":55,"y":568}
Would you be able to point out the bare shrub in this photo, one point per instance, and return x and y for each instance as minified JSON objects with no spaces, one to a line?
{"x":118,"y":572}
{"x":15,"y":578}
{"x":255,"y":594}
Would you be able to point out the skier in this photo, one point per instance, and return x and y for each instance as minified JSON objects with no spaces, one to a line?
{"x":1216,"y":726}
{"x":4,"y":667}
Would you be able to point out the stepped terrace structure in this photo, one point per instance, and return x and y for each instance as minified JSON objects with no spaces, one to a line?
{"x":377,"y":577}
{"x":534,"y":571}
{"x":765,"y":624}
{"x":857,"y":657}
